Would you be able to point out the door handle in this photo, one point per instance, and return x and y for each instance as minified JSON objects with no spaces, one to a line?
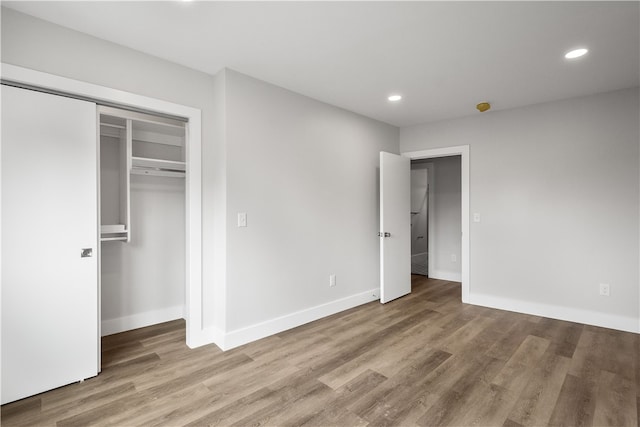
{"x":86,"y":252}
{"x":385,"y":234}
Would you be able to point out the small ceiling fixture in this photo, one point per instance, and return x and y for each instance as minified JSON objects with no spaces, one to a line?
{"x":576,"y":53}
{"x":394,"y":98}
{"x":483,"y":106}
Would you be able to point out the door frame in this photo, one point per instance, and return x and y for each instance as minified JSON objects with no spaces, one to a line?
{"x":195,"y":334}
{"x":463,"y":152}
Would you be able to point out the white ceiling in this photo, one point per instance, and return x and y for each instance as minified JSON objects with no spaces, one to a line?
{"x":443,"y":57}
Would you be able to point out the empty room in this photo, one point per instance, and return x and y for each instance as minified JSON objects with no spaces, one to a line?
{"x":320,"y":213}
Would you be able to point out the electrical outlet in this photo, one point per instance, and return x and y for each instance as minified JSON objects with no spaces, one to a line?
{"x":332,"y":280}
{"x":605,"y":289}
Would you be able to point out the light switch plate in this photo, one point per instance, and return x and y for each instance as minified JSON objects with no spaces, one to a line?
{"x":242,"y":219}
{"x":476,"y":217}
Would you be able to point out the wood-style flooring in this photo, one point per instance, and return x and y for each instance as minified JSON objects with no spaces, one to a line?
{"x":425,"y":359}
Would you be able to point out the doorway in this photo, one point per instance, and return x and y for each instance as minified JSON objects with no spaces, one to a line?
{"x":427,"y":156}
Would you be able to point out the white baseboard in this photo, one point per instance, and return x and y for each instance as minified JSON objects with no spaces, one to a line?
{"x":205,"y":336}
{"x":140,"y":320}
{"x":451,"y":276}
{"x":255,"y":332}
{"x":587,"y":317}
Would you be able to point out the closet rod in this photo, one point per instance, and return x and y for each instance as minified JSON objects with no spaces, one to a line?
{"x":158,"y":172}
{"x":95,"y":100}
{"x":109,"y":125}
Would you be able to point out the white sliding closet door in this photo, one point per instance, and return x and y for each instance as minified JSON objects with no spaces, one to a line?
{"x":49,"y":215}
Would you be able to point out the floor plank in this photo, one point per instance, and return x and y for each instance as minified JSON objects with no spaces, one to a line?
{"x":424,"y":359}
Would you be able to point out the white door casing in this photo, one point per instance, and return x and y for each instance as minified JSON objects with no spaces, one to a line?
{"x":395,"y":226}
{"x":49,"y":215}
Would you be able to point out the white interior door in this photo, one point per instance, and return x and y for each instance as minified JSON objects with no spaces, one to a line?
{"x":49,"y":215}
{"x":395,"y":226}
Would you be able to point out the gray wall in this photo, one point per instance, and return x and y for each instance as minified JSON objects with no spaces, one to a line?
{"x":305,"y":173}
{"x":446,"y":221}
{"x":419,"y":208}
{"x":557,"y":188}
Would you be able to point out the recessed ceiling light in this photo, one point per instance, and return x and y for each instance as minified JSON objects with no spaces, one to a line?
{"x":576,"y":53}
{"x":394,"y":98}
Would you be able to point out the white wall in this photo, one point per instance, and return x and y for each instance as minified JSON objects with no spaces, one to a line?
{"x":306,"y":175}
{"x":557,"y":188}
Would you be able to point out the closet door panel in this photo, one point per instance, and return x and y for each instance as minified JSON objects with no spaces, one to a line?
{"x":49,"y":215}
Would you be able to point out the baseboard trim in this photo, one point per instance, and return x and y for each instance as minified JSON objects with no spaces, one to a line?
{"x":255,"y":332}
{"x":140,"y":320}
{"x":206,"y":336}
{"x":587,"y":317}
{"x":450,"y":276}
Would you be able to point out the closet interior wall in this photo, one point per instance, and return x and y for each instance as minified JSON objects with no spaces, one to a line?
{"x":142,"y":217}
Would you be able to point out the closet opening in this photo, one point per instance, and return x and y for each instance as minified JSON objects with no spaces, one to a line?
{"x":142,"y":214}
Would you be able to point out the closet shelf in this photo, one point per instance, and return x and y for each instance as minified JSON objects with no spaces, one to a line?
{"x":114,"y":232}
{"x":146,"y":162}
{"x":113,"y":239}
{"x":112,"y":131}
{"x":113,"y":228}
{"x":157,"y":167}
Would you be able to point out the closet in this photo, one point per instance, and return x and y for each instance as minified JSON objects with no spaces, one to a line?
{"x":93,"y":232}
{"x":142,"y":219}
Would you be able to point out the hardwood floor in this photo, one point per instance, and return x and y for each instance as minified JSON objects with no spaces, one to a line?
{"x":425,"y":359}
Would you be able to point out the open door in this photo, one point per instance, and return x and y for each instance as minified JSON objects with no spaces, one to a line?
{"x":395,"y":226}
